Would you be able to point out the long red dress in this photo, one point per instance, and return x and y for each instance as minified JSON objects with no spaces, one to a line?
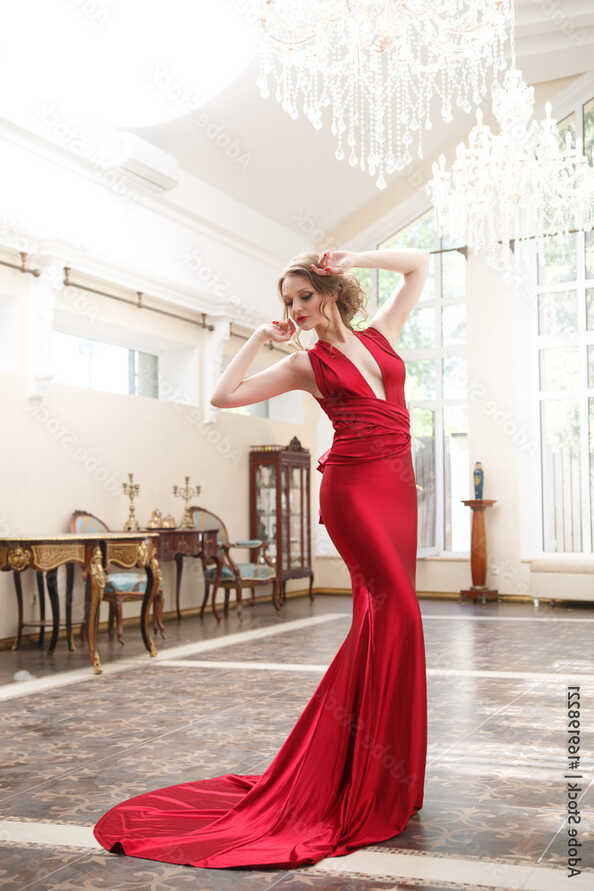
{"x":351,"y":772}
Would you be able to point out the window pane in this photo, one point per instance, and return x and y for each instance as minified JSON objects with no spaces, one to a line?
{"x":557,"y":312}
{"x":90,"y":363}
{"x":365,"y":276}
{"x":591,"y":366}
{"x":430,"y":288}
{"x":147,"y":374}
{"x":421,"y":379}
{"x":559,"y":368}
{"x":557,"y":262}
{"x":453,"y":324}
{"x":419,"y":329}
{"x":419,"y":234}
{"x":454,"y":275}
{"x":590,"y":254}
{"x":456,"y":463}
{"x":562,"y":484}
{"x":454,"y":377}
{"x":388,"y":281}
{"x":423,"y":452}
{"x":589,"y":129}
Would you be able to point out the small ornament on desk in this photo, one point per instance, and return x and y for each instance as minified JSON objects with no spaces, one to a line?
{"x":131,"y":489}
{"x":169,"y":522}
{"x":156,"y":520}
{"x":187,"y":493}
{"x":478,"y":475}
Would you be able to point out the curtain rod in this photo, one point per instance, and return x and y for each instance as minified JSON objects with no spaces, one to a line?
{"x":464,"y":249}
{"x":139,"y":304}
{"x":23,"y":267}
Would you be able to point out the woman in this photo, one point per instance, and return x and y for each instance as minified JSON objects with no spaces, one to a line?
{"x":351,"y":772}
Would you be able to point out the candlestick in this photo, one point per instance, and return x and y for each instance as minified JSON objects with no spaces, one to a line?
{"x":187,"y":493}
{"x":131,"y":489}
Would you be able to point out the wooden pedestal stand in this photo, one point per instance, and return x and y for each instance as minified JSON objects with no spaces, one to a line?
{"x":478,"y":554}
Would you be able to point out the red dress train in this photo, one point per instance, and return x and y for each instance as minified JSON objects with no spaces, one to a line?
{"x":351,"y":772}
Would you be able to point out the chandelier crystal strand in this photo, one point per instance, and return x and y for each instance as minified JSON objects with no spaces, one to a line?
{"x":362,"y":58}
{"x":518,"y":184}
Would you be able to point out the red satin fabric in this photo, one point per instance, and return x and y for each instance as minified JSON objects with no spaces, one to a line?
{"x":351,"y":772}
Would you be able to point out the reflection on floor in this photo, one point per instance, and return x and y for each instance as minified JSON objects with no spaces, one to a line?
{"x":495,"y":797}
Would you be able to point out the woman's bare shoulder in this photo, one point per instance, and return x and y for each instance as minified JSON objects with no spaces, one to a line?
{"x":301,"y":365}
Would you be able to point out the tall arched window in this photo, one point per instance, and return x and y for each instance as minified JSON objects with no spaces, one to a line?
{"x":565,"y":356}
{"x":433,"y":346}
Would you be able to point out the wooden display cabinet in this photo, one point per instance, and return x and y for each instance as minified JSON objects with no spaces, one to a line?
{"x":280,"y":510}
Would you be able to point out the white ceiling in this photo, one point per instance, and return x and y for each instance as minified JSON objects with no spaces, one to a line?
{"x":289,"y":172}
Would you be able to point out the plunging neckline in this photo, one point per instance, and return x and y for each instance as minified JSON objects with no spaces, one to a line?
{"x":359,"y":372}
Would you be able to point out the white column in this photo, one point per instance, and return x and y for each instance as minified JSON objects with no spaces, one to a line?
{"x":501,"y":436}
{"x":41,"y":300}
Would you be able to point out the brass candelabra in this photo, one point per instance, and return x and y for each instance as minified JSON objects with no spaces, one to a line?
{"x":131,"y":489}
{"x":187,"y":493}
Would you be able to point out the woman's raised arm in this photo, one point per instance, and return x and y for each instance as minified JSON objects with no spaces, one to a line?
{"x":414,"y":264}
{"x":290,"y":373}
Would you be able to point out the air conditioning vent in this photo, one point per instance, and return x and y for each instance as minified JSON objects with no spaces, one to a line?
{"x":156,"y":168}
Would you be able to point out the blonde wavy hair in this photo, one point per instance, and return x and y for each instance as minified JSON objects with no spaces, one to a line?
{"x":350,"y":300}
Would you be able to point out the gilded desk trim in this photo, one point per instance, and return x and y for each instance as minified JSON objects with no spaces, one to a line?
{"x":127,"y":549}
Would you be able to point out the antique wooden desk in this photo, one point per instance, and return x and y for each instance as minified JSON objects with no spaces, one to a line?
{"x":93,"y":551}
{"x":175,"y":544}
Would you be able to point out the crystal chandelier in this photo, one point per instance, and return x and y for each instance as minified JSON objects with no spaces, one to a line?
{"x":378,"y":64}
{"x":520,"y":183}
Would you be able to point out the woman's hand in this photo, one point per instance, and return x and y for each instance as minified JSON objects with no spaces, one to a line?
{"x":278,"y":331}
{"x":334,"y":263}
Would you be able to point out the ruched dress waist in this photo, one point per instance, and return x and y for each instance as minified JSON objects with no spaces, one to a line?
{"x":365,"y":429}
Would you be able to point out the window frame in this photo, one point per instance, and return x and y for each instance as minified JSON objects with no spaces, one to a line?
{"x":570,"y":101}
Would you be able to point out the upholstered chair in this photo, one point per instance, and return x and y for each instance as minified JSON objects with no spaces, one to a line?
{"x":120,"y":585}
{"x":233,"y":574}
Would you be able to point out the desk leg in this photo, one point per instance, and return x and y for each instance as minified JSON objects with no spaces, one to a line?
{"x":52,"y":590}
{"x":153,"y":583}
{"x":215,"y":587}
{"x":179,"y":563}
{"x":69,"y":587}
{"x":97,"y":574}
{"x":19,"y":595}
{"x":41,"y":593}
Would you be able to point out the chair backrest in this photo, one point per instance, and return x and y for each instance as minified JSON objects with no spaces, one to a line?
{"x":205,"y":519}
{"x":82,"y":521}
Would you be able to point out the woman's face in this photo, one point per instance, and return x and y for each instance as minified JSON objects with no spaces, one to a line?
{"x":302,"y":301}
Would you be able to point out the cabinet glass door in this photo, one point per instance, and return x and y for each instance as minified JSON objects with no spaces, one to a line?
{"x":285,"y":516}
{"x":266,"y":484}
{"x":296,"y":515}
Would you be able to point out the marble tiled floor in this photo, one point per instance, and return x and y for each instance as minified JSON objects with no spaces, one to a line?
{"x":223,"y":698}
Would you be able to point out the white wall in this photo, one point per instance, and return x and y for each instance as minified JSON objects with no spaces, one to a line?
{"x":63,"y":447}
{"x":74,"y":448}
